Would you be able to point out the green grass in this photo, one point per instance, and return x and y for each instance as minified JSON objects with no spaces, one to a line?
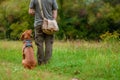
{"x":77,"y":59}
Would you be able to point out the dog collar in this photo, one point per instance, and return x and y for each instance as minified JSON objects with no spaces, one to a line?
{"x":28,"y":43}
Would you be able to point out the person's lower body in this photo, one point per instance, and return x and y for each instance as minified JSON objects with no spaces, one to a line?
{"x":44,"y":52}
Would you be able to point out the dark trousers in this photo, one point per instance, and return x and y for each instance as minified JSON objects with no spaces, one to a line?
{"x":44,"y":44}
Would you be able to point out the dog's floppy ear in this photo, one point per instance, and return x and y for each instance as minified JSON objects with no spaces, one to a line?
{"x":22,"y":36}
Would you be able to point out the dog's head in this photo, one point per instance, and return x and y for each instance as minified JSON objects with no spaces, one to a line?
{"x":26,"y":35}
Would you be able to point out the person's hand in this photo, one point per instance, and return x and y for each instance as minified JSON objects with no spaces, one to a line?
{"x":31,"y":11}
{"x":54,"y":14}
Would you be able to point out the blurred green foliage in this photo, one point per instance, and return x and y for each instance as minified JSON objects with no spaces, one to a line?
{"x":78,"y":19}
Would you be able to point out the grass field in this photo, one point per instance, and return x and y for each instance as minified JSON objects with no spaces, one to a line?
{"x":76,"y":59}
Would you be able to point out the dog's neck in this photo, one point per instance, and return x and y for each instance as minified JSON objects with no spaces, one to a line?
{"x":28,"y":43}
{"x":27,"y":40}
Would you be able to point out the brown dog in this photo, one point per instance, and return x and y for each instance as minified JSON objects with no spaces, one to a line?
{"x":28,"y":53}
